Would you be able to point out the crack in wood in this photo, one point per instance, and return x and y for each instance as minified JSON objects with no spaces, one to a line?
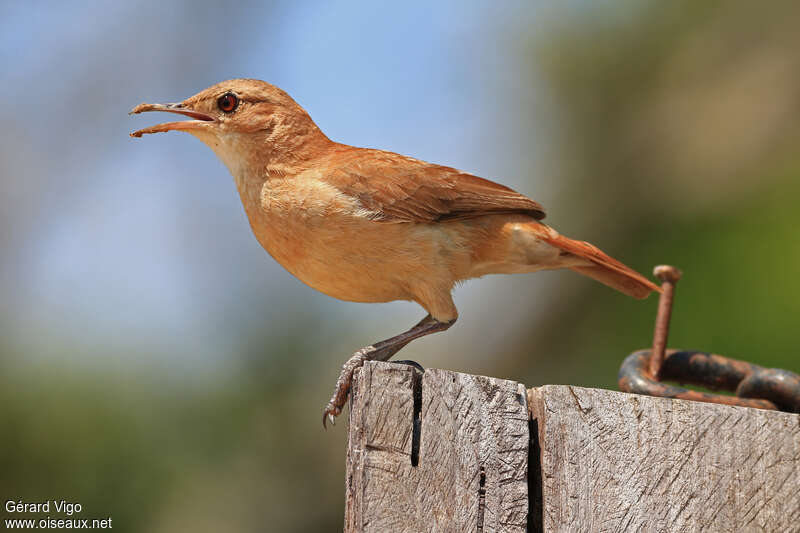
{"x":535,"y":501}
{"x":481,"y":499}
{"x":416,"y":428}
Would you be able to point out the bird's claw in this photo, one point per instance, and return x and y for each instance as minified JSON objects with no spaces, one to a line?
{"x":409,"y":362}
{"x":342,"y":390}
{"x":329,"y":415}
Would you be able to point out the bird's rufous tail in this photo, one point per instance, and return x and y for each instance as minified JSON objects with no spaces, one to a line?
{"x":604,"y":268}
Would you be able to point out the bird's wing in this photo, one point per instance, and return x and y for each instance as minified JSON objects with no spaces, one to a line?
{"x":402,"y":189}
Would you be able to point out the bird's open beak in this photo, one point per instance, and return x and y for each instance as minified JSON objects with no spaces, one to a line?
{"x":200,"y":119}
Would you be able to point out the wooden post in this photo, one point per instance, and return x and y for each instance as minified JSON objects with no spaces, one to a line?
{"x":449,"y":452}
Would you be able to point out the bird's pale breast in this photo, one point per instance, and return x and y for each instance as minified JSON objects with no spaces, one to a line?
{"x":328,"y":241}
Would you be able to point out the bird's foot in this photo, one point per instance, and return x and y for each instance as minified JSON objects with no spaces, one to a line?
{"x":409,"y":362}
{"x":342,"y":389}
{"x":380,"y":351}
{"x":345,"y":381}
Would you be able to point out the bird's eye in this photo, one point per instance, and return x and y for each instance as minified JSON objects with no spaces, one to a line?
{"x":228,"y":102}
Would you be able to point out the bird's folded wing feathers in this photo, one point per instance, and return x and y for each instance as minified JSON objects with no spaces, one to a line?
{"x":402,"y":189}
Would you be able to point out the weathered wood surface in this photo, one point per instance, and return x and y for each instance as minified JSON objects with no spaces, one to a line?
{"x":603,"y":460}
{"x":473,"y":453}
{"x":612,"y":461}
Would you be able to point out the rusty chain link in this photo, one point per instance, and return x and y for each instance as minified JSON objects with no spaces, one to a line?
{"x":642,"y":372}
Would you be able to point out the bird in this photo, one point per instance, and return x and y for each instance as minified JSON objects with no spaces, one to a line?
{"x":368,"y":225}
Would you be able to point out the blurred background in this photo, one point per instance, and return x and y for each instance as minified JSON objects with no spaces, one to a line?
{"x":158,"y":367}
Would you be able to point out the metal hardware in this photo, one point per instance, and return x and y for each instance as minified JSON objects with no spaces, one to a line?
{"x":669,"y":276}
{"x":754,"y":385}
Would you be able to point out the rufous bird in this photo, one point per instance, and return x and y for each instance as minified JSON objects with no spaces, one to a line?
{"x":367,"y":225}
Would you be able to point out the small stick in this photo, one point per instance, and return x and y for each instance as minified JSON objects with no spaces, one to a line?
{"x":669,"y":276}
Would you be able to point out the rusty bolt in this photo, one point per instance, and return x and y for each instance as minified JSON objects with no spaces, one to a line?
{"x":669,"y":276}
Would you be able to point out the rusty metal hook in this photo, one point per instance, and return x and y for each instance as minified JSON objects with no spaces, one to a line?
{"x":754,"y":385}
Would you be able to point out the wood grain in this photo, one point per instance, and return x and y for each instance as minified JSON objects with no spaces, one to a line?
{"x":473,"y":453}
{"x":621,"y":462}
{"x":599,"y":460}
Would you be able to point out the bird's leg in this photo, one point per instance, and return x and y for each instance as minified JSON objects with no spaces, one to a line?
{"x":380,"y":351}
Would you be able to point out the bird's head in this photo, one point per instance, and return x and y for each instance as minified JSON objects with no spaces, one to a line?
{"x":242,"y":119}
